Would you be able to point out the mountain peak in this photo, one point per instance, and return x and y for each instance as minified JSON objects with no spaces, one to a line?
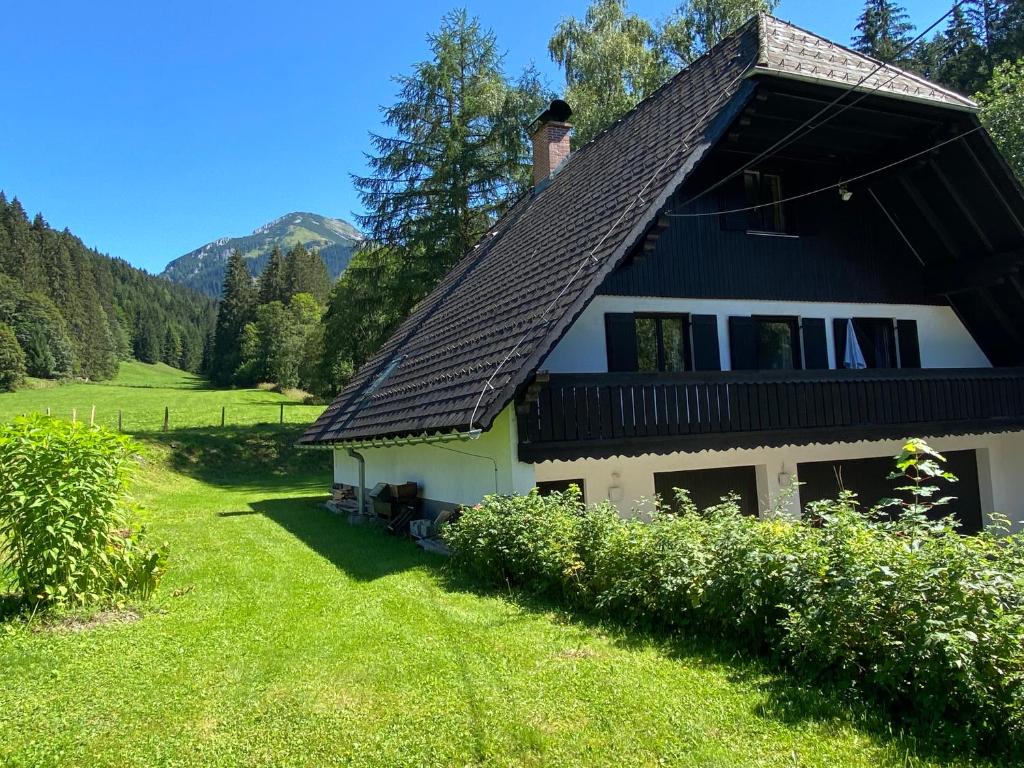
{"x":203,"y":268}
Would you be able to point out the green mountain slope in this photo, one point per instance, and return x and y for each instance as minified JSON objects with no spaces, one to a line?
{"x":203,"y":268}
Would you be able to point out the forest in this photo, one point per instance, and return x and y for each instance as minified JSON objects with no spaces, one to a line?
{"x":68,"y":311}
{"x":451,"y":157}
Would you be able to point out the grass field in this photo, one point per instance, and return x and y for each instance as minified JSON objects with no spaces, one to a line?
{"x":282,"y":636}
{"x":141,"y":392}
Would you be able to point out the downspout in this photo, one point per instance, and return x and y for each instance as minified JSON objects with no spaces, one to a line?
{"x":360,"y":489}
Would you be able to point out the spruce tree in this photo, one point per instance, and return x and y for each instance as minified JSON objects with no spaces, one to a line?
{"x":884,"y":31}
{"x":304,"y":272}
{"x":238,"y":298}
{"x":272,"y":280}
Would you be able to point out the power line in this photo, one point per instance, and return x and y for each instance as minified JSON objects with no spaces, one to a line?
{"x":799,"y":131}
{"x":543,"y":317}
{"x":836,"y":185}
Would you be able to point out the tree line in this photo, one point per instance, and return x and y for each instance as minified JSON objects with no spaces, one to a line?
{"x":269,"y":330}
{"x":456,"y":153}
{"x":69,"y":311}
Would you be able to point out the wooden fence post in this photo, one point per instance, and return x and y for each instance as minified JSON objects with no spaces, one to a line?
{"x":167,"y":417}
{"x":74,"y":415}
{"x":282,"y":413}
{"x":222,"y":409}
{"x":92,"y":416}
{"x":119,"y":420}
{"x":47,"y":411}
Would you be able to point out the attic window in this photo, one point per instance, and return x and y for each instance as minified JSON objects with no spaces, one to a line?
{"x":765,"y":191}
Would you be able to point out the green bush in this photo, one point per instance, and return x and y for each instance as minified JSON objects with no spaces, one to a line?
{"x":899,"y":607}
{"x":64,"y":524}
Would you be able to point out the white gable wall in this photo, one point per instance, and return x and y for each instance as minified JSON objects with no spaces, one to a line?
{"x":448,"y":473}
{"x":944,"y":341}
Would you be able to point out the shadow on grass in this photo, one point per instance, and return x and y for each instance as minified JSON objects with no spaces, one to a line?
{"x":366,"y":553}
{"x":260,"y":455}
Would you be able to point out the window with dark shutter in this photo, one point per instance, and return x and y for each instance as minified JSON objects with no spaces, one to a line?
{"x":620,"y":335}
{"x":704,"y":343}
{"x":661,"y":343}
{"x":815,"y":346}
{"x":909,"y":346}
{"x":764,"y":343}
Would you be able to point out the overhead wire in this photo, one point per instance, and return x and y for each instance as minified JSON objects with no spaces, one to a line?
{"x":639,"y":198}
{"x":810,"y":125}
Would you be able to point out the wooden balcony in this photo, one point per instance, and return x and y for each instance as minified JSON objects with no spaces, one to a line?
{"x":565,"y":416}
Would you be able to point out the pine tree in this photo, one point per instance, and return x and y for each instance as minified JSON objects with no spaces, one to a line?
{"x":884,"y":31}
{"x":454,"y":155}
{"x":238,"y":298}
{"x":271,"y":282}
{"x":964,"y":62}
{"x":304,"y":272}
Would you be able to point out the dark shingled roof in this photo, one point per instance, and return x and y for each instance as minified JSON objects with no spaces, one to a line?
{"x":456,"y":362}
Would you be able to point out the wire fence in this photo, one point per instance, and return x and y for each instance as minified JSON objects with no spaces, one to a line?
{"x":149,"y":419}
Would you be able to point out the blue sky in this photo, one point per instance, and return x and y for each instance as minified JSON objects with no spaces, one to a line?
{"x":149,"y":129}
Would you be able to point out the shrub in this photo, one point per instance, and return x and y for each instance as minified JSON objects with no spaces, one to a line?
{"x":12,"y":359}
{"x":899,"y":607}
{"x":64,"y":523}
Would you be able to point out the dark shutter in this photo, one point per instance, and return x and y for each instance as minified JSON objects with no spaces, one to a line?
{"x":743,"y":343}
{"x":839,"y":336}
{"x":906,"y":337}
{"x":814,"y":344}
{"x":620,"y":334}
{"x":704,"y":335}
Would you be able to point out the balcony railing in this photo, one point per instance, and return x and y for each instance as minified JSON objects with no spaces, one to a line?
{"x":604,"y":414}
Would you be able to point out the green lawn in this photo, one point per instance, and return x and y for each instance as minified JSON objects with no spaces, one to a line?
{"x":141,"y":392}
{"x":282,"y":636}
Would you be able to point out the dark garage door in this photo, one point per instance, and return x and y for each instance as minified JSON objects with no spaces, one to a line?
{"x":708,"y":486}
{"x":868,"y":479}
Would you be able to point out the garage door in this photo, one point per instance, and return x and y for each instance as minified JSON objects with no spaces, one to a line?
{"x":868,"y":479}
{"x":708,"y":486}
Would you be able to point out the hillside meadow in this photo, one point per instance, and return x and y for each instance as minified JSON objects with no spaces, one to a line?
{"x":281,"y":636}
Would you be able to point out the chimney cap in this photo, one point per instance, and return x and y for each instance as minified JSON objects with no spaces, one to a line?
{"x":558,"y":111}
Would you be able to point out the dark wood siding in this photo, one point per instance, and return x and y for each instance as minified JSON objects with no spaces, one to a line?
{"x":844,"y":251}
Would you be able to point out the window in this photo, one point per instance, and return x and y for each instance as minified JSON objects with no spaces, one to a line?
{"x":880,"y":343}
{"x":777,"y":343}
{"x":661,"y":343}
{"x":764,"y":190}
{"x":547,"y":487}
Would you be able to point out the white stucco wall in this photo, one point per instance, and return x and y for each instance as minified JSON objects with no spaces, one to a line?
{"x":452,"y":472}
{"x":626,"y":480}
{"x":944,"y":341}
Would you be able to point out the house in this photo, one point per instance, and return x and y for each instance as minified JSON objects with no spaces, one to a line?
{"x":785,"y":261}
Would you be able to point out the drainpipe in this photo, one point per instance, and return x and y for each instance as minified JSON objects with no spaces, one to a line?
{"x":360,"y":489}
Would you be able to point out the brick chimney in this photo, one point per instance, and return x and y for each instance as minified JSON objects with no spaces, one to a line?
{"x":550,"y":139}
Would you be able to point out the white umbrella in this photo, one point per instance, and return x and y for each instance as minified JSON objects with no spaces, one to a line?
{"x":854,"y":358}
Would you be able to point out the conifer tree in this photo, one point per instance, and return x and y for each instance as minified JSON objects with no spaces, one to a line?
{"x":304,"y":272}
{"x":12,"y":359}
{"x":238,"y":299}
{"x":883,"y":31}
{"x":454,"y":155}
{"x":272,"y":280}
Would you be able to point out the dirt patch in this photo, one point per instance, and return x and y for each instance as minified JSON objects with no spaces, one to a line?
{"x":576,"y":653}
{"x":99,"y":619}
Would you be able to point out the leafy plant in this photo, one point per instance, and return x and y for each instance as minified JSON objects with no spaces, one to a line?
{"x":892,"y":603}
{"x":65,"y":529}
